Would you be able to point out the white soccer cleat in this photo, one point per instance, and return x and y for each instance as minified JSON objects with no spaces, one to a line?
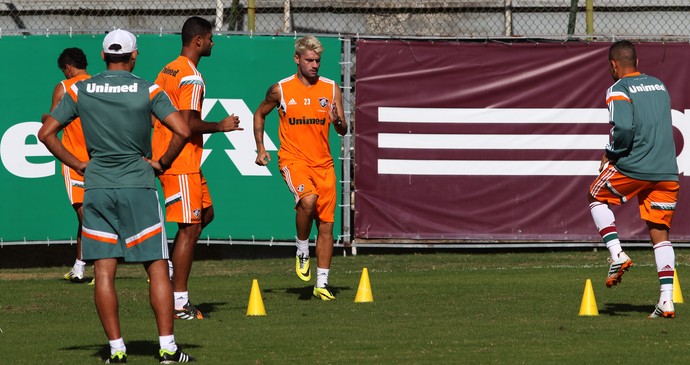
{"x":618,"y":267}
{"x":664,"y":310}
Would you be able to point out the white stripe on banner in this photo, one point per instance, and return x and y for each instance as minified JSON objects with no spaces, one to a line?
{"x":494,"y":141}
{"x":491,"y":142}
{"x":489,"y":115}
{"x":487,"y":168}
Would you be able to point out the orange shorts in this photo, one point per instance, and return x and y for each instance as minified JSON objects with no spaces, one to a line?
{"x":74,"y":184}
{"x":656,"y":199}
{"x":303,"y":180}
{"x":186,"y":195}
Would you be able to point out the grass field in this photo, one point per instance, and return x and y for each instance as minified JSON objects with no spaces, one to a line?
{"x":433,"y":308}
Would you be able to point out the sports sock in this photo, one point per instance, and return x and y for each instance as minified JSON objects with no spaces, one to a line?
{"x":78,"y":266}
{"x":117,"y":345}
{"x":606,"y":224}
{"x":321,"y":277}
{"x":181,"y":298}
{"x":665,"y":263}
{"x":303,"y":248}
{"x":168,"y":343}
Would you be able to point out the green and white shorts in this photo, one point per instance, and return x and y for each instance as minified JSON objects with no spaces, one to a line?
{"x":125,"y":223}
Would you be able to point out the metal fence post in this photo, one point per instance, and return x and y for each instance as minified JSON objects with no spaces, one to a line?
{"x":251,"y":11}
{"x":590,"y":16}
{"x":286,"y":17}
{"x":509,"y":17}
{"x":219,"y":15}
{"x":347,"y":141}
{"x":572,"y":19}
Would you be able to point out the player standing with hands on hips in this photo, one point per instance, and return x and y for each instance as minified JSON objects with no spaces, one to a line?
{"x":640,"y":161}
{"x":308,"y":105}
{"x":122,"y":216}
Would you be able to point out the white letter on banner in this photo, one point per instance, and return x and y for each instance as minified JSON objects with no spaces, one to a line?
{"x":14,"y":150}
{"x":682,"y":122}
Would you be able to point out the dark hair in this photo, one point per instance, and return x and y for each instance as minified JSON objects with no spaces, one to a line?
{"x":623,"y":52}
{"x":116,"y":58}
{"x":74,"y":57}
{"x":193,"y":27}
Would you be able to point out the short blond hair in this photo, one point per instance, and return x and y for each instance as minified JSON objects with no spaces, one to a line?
{"x":308,"y":43}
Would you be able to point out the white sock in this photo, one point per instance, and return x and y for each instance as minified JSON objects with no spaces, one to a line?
{"x":181,"y":298}
{"x":303,"y":247}
{"x":168,"y":343}
{"x":78,"y":266}
{"x":606,"y":225}
{"x":321,"y":277}
{"x":117,"y":345}
{"x":665,"y":264}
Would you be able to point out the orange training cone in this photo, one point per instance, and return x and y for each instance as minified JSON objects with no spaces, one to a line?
{"x":256,"y":304}
{"x":589,"y":304}
{"x":677,"y":293}
{"x":364,"y":290}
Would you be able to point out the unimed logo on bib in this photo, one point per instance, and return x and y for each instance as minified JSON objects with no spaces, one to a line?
{"x":94,"y":88}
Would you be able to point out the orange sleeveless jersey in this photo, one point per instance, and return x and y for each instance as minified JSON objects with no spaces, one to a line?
{"x":185,"y":87}
{"x":73,"y":135}
{"x":305,"y":122}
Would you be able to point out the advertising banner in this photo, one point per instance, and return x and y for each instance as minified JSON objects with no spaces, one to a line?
{"x":250,"y":202}
{"x":495,"y":141}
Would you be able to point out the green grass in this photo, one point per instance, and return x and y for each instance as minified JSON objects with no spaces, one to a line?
{"x":443,"y":308}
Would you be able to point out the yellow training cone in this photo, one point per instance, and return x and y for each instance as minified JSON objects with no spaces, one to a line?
{"x":677,"y":293}
{"x":256,"y":304}
{"x":364,"y":290}
{"x":589,"y":304}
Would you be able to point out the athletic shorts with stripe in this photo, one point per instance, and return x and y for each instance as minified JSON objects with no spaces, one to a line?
{"x":124,"y":223}
{"x":186,"y":195}
{"x":656,"y":199}
{"x":303,"y":180}
{"x":74,"y":184}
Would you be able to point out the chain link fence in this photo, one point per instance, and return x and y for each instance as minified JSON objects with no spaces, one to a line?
{"x":381,"y":18}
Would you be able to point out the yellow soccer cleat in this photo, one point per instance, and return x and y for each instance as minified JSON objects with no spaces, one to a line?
{"x":74,"y":277}
{"x":323,"y":293}
{"x":117,"y":358}
{"x":302,"y":267}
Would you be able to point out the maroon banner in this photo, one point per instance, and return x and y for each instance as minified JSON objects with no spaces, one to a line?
{"x":495,"y":141}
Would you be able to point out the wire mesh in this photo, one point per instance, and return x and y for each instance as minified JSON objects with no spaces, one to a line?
{"x":388,"y":18}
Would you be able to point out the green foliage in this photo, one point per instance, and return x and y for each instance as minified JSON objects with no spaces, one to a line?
{"x":443,"y":308}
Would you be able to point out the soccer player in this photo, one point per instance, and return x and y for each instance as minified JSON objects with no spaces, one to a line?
{"x":72,"y":62}
{"x":640,"y":161}
{"x":122,"y":216}
{"x":308,"y":104}
{"x":187,"y":198}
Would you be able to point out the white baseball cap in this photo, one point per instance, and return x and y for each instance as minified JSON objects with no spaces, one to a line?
{"x":119,"y":42}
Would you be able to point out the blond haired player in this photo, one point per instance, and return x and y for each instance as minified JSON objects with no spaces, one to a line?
{"x":72,"y":62}
{"x":308,"y":105}
{"x":187,"y":198}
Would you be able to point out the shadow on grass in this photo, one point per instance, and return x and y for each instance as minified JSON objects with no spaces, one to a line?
{"x":617,"y":309}
{"x":208,"y":308}
{"x":306,"y":292}
{"x":134,"y":348}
